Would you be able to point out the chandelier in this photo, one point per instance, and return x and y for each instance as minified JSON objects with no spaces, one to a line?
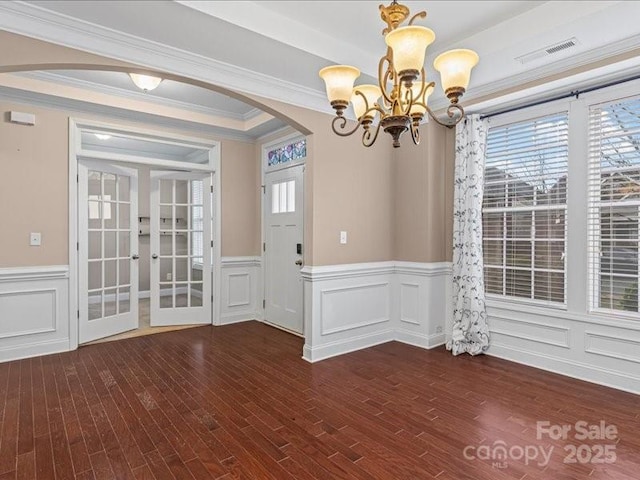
{"x":399,"y":102}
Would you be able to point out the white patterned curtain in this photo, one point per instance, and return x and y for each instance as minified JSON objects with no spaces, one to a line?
{"x":470,"y":331}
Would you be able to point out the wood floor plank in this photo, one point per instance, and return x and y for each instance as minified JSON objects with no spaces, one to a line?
{"x":238,"y":402}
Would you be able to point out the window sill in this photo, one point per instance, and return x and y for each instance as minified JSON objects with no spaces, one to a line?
{"x":514,"y":303}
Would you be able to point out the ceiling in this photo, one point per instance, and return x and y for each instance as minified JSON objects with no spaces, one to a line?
{"x":282,"y":44}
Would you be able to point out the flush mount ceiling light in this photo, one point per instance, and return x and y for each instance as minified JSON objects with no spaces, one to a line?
{"x":145,"y":82}
{"x":402,"y":87}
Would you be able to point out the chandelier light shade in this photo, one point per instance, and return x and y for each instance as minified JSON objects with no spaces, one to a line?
{"x":145,"y":82}
{"x":455,"y":68}
{"x":339,"y":81}
{"x":371,"y":95}
{"x":409,"y":45}
{"x":399,"y":102}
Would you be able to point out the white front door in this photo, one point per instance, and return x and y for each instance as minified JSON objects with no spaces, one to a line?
{"x":180,"y":248}
{"x":283,"y":248}
{"x":108,"y":249}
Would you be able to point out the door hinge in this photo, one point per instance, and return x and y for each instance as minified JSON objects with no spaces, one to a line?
{"x":264,"y":246}
{"x":78,"y":314}
{"x":264,"y":189}
{"x":78,"y":178}
{"x":78,"y":246}
{"x":212,"y":243}
{"x":211,"y":188}
{"x":211,"y":298}
{"x":264,"y":304}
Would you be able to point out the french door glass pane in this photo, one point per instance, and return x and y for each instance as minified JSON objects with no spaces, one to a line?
{"x":182,"y":192}
{"x":124,"y":305}
{"x":109,"y":249}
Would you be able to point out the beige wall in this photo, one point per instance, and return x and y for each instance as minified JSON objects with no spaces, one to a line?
{"x":33,"y":188}
{"x":383,"y":198}
{"x":34,"y":191}
{"x":423,"y":188}
{"x":240,"y":174}
{"x":347,"y":187}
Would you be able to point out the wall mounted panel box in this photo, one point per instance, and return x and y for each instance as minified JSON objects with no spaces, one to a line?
{"x":22,"y":118}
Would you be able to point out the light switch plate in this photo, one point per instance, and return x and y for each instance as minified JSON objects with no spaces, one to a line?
{"x":35,"y":239}
{"x":343,"y":238}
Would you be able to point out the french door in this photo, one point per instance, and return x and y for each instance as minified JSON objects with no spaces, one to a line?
{"x":283,"y":249}
{"x":180,"y":248}
{"x":108,"y":249}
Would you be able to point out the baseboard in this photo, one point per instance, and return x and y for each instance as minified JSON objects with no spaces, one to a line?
{"x":340,"y":347}
{"x":34,"y":349}
{"x":420,"y":340}
{"x":568,"y":368}
{"x":231,"y":318}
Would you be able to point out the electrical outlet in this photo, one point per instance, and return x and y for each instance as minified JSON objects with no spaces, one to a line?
{"x":169,"y":277}
{"x":343,"y":238}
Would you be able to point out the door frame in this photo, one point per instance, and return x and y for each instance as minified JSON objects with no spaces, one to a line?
{"x":264,"y":171}
{"x":76,"y":127}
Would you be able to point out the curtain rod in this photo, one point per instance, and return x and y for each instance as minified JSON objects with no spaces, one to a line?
{"x":573,"y":93}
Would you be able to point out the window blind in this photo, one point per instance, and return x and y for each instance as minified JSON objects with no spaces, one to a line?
{"x":614,"y":204}
{"x":524,"y":209}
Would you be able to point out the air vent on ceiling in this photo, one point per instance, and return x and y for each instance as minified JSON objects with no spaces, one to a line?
{"x":550,"y":50}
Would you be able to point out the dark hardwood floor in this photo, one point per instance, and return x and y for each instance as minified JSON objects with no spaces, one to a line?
{"x":239,"y":402}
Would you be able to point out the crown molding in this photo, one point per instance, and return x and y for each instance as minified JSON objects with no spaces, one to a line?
{"x":498,"y":88}
{"x":33,"y":21}
{"x":48,"y":76}
{"x":30,"y":20}
{"x":118,"y":114}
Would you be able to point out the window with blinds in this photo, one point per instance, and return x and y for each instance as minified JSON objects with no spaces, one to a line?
{"x":614,"y":205}
{"x":524,"y":209}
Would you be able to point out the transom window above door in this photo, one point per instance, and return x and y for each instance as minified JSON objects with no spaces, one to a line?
{"x":107,"y":142}
{"x":289,"y":152}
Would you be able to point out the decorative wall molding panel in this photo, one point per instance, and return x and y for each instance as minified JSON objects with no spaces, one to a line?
{"x":34,"y":311}
{"x":350,"y":307}
{"x":239,"y":289}
{"x":600,"y":350}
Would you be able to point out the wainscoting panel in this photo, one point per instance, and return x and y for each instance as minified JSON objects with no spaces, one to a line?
{"x":422,"y":292}
{"x":240,"y":289}
{"x":34,"y":311}
{"x":349,"y":307}
{"x":601,"y":350}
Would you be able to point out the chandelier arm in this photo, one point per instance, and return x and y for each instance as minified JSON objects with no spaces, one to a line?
{"x":422,"y":14}
{"x":383,"y":79}
{"x":366,"y":102}
{"x":454,"y":118}
{"x":408,"y":101}
{"x":343,"y":124}
{"x":415,"y":134}
{"x":423,"y":82}
{"x":368,"y":138}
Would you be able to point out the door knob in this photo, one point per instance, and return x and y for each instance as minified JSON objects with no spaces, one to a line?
{"x":154,"y":256}
{"x":298,"y":262}
{"x":135,"y":256}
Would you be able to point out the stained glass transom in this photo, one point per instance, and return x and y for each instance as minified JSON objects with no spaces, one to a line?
{"x":287,"y":153}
